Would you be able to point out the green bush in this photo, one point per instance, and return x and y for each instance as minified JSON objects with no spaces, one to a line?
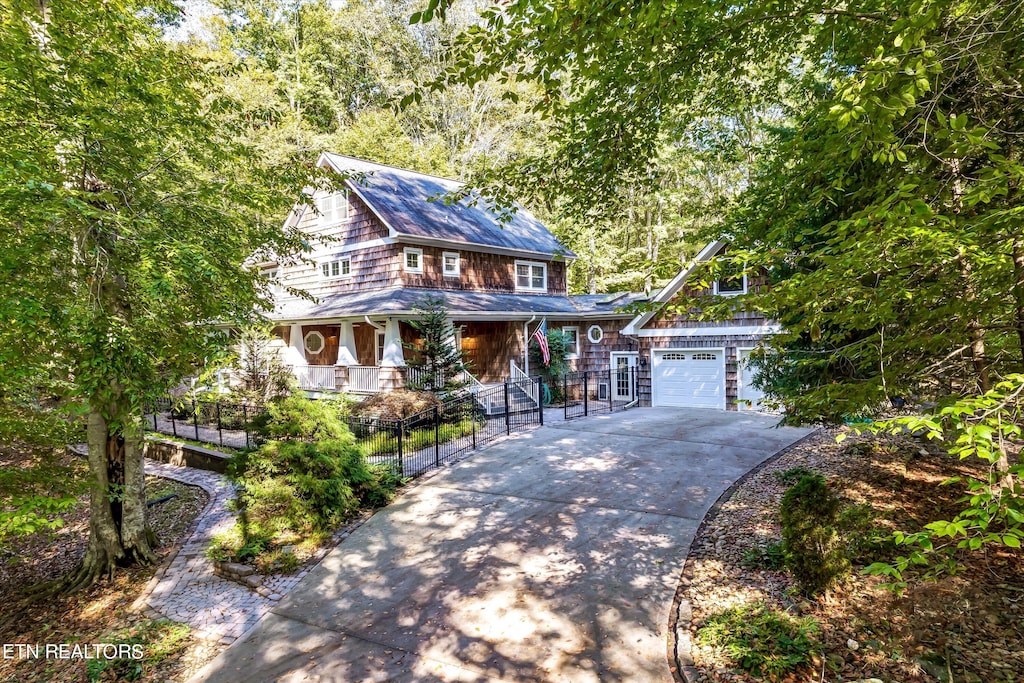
{"x":311,"y":477}
{"x":763,"y":641}
{"x":771,"y":556}
{"x":794,"y":474}
{"x":297,"y":417}
{"x":815,"y":554}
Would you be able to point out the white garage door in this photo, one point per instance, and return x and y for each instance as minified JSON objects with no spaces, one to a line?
{"x":689,"y":378}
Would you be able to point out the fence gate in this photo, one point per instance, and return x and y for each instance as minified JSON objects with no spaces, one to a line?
{"x":605,"y":391}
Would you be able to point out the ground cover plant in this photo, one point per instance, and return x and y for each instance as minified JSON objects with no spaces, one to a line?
{"x":764,"y":641}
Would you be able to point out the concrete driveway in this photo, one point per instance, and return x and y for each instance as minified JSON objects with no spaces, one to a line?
{"x":553,"y":556}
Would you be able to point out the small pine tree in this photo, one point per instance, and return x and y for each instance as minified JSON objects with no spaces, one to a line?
{"x":442,"y":365}
{"x":814,"y":553}
{"x":259,"y":369}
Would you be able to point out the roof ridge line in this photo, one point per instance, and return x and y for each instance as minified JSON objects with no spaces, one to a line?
{"x":396,"y":168}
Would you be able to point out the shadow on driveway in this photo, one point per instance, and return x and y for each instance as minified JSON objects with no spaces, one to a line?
{"x":552,"y":556}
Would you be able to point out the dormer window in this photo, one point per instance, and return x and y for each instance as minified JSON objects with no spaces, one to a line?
{"x":531,"y":276}
{"x":451,"y":264}
{"x":334,"y":208}
{"x":733,"y":282}
{"x":413,"y":260}
{"x":272,"y":274}
{"x":337,"y":268}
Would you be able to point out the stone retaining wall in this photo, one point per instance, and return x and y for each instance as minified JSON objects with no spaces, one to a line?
{"x":186,"y":455}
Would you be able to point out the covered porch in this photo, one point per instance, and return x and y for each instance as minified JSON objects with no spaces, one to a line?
{"x":369,"y":355}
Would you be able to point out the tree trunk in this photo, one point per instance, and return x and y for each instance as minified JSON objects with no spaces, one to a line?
{"x":118,"y":534}
{"x":1018,"y":292}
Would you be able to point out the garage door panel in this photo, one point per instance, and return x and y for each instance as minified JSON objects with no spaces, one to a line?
{"x":689,"y":378}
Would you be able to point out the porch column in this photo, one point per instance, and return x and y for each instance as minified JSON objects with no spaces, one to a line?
{"x":393,"y":356}
{"x":295,"y":354}
{"x":347,"y":345}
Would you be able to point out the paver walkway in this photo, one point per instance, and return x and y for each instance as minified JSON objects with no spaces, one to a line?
{"x":550,"y":557}
{"x":186,"y":589}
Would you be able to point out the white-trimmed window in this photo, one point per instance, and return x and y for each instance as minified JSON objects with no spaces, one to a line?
{"x":450,"y":263}
{"x":314,"y":342}
{"x":380,"y":346}
{"x":336,"y":268}
{"x":413,"y":260}
{"x":572,"y":341}
{"x":531,"y":276}
{"x":731,"y":282}
{"x":272,"y":274}
{"x":595,"y":334}
{"x":334,"y":208}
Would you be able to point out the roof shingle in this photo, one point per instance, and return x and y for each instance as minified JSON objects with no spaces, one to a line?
{"x":401,"y":199}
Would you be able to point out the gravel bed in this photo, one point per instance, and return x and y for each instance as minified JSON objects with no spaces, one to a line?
{"x":970,"y":624}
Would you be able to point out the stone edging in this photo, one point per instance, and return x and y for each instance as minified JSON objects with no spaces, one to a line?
{"x":680,"y":640}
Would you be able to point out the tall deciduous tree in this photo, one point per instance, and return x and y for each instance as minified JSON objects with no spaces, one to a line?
{"x":128,"y":211}
{"x":890,"y":218}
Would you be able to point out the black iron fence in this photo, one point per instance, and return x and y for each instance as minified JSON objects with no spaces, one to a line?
{"x":429,"y":439}
{"x":603,"y":391}
{"x":413,"y":444}
{"x":217,"y":423}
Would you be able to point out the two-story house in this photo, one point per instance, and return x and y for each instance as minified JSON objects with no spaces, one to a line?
{"x":381,"y":246}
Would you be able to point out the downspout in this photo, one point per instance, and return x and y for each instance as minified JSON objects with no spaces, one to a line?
{"x":372,"y":324}
{"x":526,"y":345}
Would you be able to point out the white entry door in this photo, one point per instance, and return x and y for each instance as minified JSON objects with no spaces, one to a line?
{"x":749,"y":395}
{"x":688,"y":378}
{"x":624,"y":376}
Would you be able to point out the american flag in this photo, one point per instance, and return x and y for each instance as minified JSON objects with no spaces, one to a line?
{"x":541,"y":335}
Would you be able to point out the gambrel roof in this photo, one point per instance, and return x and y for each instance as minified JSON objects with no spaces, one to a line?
{"x":401,"y":199}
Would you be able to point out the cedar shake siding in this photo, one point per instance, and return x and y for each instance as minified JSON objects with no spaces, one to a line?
{"x":594,"y":357}
{"x":366,"y":343}
{"x":328,"y":355}
{"x":488,"y":347}
{"x":478,"y":271}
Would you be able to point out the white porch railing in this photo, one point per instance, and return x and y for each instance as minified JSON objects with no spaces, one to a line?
{"x":420,"y":376}
{"x":363,"y":379}
{"x":315,"y":377}
{"x":522,"y":380}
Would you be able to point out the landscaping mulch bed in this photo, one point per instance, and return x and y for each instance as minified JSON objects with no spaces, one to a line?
{"x":969,"y":625}
{"x":100,"y":614}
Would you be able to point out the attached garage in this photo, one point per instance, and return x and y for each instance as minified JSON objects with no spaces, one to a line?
{"x":690,"y":378}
